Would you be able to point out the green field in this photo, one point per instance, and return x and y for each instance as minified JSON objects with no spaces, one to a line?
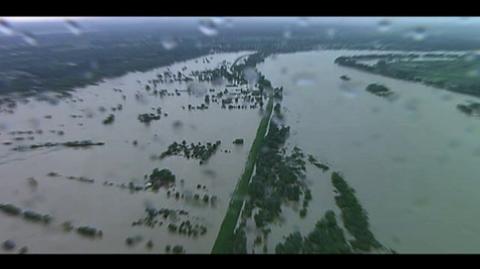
{"x":459,"y":74}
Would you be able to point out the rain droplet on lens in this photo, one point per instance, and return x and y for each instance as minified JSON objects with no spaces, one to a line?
{"x":73,"y":27}
{"x":207,"y":27}
{"x":384,"y":25}
{"x":303,"y":21}
{"x":331,"y":33}
{"x":419,"y":33}
{"x":5,"y":27}
{"x":29,"y":38}
{"x":251,"y":75}
{"x":169,"y":43}
{"x":287,"y":34}
{"x":218,"y":21}
{"x":177,"y":124}
{"x":304,"y":79}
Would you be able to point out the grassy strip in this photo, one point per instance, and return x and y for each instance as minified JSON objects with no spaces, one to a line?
{"x":224,"y":242}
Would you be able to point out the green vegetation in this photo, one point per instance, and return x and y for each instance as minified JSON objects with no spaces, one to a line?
{"x":36,"y":217}
{"x":238,"y":141}
{"x":89,"y":232}
{"x":148,"y":117}
{"x":109,"y":119}
{"x":326,"y":238}
{"x":227,"y":236}
{"x":314,"y":161}
{"x":379,"y":90}
{"x":471,"y":109}
{"x":160,"y":178}
{"x":69,"y":144}
{"x":354,"y":216}
{"x":196,"y":151}
{"x":451,"y":72}
{"x":10,"y":209}
{"x":178,"y":250}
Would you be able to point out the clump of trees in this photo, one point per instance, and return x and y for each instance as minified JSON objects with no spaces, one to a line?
{"x":196,"y":151}
{"x":379,"y":90}
{"x":354,"y":216}
{"x":471,"y":109}
{"x":326,"y":238}
{"x":238,"y":141}
{"x":88,"y":231}
{"x":109,"y":119}
{"x":314,"y":161}
{"x":159,"y":178}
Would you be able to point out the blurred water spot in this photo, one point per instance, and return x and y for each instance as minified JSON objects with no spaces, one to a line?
{"x":476,"y":152}
{"x":375,"y":109}
{"x":412,"y":104}
{"x":473,"y":73}
{"x":5,"y":27}
{"x":29,"y":38}
{"x":177,"y":124}
{"x":229,"y":23}
{"x":209,"y":172}
{"x":454,"y":143}
{"x":418,"y":33}
{"x":207,"y":27}
{"x":350,"y":89}
{"x":251,"y":75}
{"x":287,"y":34}
{"x":304,"y":79}
{"x":384,"y":25}
{"x":331,"y":33}
{"x":169,"y":43}
{"x":218,"y":21}
{"x":220,"y":81}
{"x":303,"y":21}
{"x":34,"y":123}
{"x":73,"y":27}
{"x":196,"y":89}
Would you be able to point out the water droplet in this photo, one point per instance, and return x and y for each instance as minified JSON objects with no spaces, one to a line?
{"x":304,"y":79}
{"x":229,"y":23}
{"x":287,"y":34}
{"x":454,"y":143}
{"x":29,"y":38}
{"x":473,"y":73}
{"x":169,"y":43}
{"x":197,"y":89}
{"x":208,"y":27}
{"x":5,"y":27}
{"x":73,"y":27}
{"x":384,"y":25}
{"x":303,"y":21}
{"x":218,"y":21}
{"x":220,"y":81}
{"x":251,"y":75}
{"x":331,"y":33}
{"x":419,"y":33}
{"x":177,"y":124}
{"x":412,"y":104}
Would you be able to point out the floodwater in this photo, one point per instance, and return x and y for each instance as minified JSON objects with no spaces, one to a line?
{"x":109,"y":208}
{"x":413,"y":160}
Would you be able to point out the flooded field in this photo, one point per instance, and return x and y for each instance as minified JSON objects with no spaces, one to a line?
{"x":103,"y":186}
{"x":88,"y":160}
